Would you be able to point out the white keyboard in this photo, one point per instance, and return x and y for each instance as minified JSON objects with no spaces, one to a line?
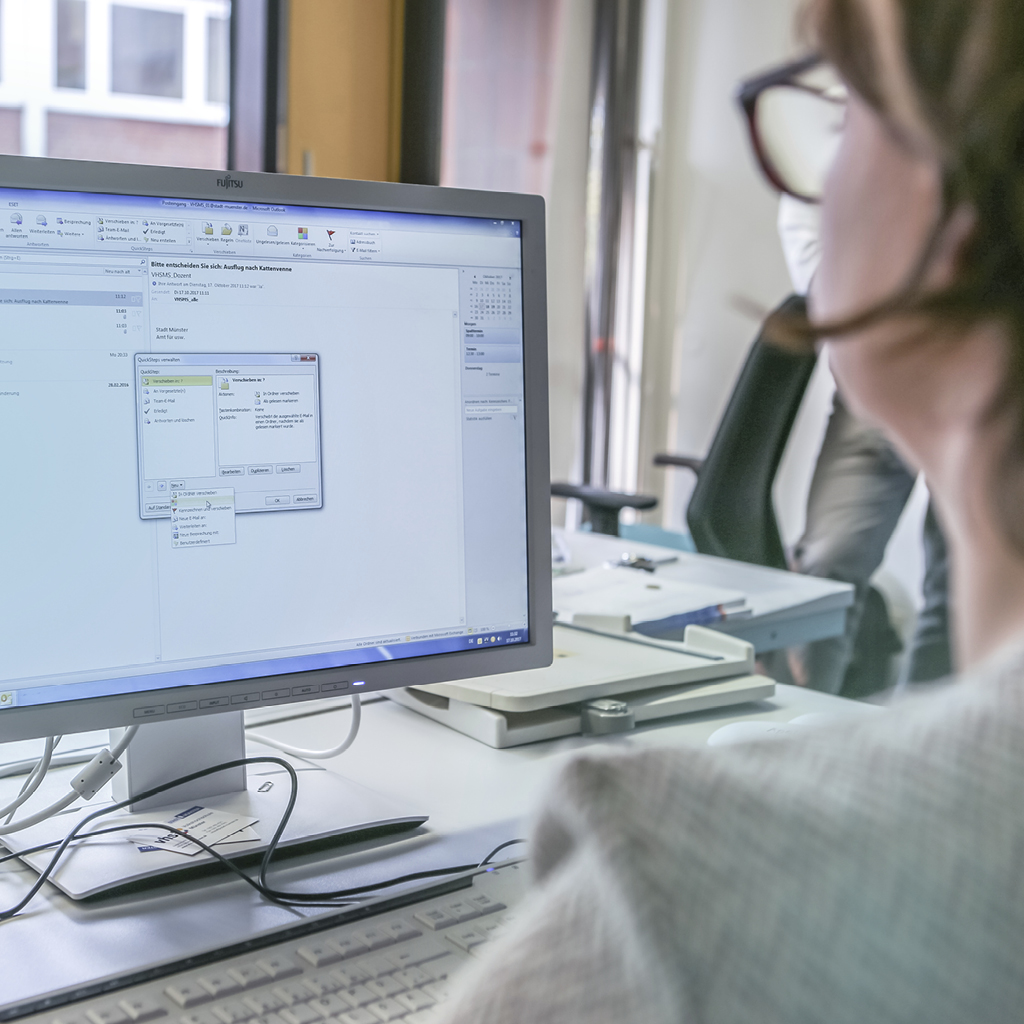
{"x":393,"y":964}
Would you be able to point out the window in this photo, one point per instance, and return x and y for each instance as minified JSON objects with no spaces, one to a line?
{"x":146,"y":52}
{"x":71,"y":44}
{"x":127,"y":80}
{"x":217,"y":57}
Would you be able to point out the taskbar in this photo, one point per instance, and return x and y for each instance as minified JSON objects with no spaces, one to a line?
{"x":350,"y":657}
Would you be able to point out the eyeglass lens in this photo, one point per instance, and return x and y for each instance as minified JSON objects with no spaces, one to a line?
{"x":799,"y":132}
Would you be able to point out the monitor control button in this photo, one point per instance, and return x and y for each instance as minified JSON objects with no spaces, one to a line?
{"x":215,"y":702}
{"x":150,"y":712}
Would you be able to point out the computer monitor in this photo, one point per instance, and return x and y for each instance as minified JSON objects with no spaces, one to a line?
{"x":263,"y":439}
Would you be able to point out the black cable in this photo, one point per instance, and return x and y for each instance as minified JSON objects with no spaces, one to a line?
{"x":282,"y":897}
{"x":498,"y":849}
{"x":155,"y":791}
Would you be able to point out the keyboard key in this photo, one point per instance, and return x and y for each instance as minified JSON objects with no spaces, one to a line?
{"x":319,"y":954}
{"x":442,"y":967}
{"x":418,"y":954}
{"x":220,"y":984}
{"x":188,"y":994}
{"x":300,"y":1013}
{"x":264,"y":1003}
{"x":359,"y":996}
{"x":462,"y":910}
{"x":359,"y":1017}
{"x":436,"y":918}
{"x":414,"y":1001}
{"x":278,"y":966}
{"x":437,"y":990}
{"x":491,"y":929}
{"x":328,"y":1005}
{"x":294,"y":992}
{"x":200,"y":1017}
{"x":387,"y":1009}
{"x":349,"y":975}
{"x":374,"y":938}
{"x":485,"y":904}
{"x":324,"y":983}
{"x":376,"y":966}
{"x":399,"y":930}
{"x":350,"y":947}
{"x":412,"y":977}
{"x":107,"y":1015}
{"x":423,"y":1017}
{"x":249,"y":975}
{"x":466,"y":938}
{"x":142,"y":1008}
{"x":385,"y":987}
{"x":234,"y":1011}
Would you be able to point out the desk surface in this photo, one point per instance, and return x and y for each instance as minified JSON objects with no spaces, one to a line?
{"x":476,"y":796}
{"x":788,"y":608}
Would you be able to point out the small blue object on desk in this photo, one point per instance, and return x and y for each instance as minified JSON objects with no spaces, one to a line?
{"x":673,"y":627}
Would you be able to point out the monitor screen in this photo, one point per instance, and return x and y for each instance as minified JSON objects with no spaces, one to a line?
{"x":248,"y":438}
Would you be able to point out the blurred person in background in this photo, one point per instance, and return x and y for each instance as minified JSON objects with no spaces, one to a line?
{"x":858,"y":492}
{"x":867,"y":872}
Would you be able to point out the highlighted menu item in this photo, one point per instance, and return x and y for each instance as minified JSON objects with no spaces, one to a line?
{"x":208,"y":419}
{"x":202,"y":518}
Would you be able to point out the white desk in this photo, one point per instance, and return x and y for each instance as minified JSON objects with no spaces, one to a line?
{"x":788,"y":609}
{"x":477,"y":797}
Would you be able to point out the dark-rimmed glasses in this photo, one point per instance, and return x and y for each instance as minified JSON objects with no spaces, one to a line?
{"x":795,"y":114}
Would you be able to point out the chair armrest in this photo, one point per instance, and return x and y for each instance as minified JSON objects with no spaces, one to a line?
{"x":597,"y":497}
{"x":680,"y":461}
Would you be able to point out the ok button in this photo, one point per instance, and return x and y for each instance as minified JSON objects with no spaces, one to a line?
{"x":279,"y":499}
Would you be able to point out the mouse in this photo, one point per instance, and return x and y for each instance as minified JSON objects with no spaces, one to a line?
{"x":744,"y":732}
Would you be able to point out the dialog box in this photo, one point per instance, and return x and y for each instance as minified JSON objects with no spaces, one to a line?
{"x":213,"y":421}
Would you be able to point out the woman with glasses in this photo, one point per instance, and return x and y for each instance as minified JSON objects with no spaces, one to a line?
{"x":871,"y":872}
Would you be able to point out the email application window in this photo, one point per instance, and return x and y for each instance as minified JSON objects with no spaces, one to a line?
{"x":250,"y":422}
{"x":369,"y":376}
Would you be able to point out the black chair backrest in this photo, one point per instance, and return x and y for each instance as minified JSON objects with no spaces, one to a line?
{"x":731,"y":512}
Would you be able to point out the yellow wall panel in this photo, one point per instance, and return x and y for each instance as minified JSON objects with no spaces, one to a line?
{"x":345,"y":88}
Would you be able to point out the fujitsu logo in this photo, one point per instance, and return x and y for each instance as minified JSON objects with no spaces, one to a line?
{"x":230,"y":182}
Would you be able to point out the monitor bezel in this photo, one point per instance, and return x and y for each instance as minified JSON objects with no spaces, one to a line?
{"x":92,"y":713}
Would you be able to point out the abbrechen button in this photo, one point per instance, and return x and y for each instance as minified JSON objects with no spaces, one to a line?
{"x":260,"y":470}
{"x":279,"y":499}
{"x":232,"y":471}
{"x":291,"y":467}
{"x":305,"y":499}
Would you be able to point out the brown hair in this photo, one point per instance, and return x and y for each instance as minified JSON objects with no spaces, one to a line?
{"x":949,"y":74}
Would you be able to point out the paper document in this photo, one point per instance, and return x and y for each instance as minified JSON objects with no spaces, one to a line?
{"x":643,"y":596}
{"x":212,"y":827}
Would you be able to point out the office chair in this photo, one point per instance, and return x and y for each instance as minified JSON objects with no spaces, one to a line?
{"x":603,"y":507}
{"x":731,"y":513}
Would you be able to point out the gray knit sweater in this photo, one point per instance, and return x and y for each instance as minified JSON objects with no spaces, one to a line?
{"x":869,"y":873}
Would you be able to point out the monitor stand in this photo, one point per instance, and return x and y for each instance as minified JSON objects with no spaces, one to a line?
{"x":329,"y":810}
